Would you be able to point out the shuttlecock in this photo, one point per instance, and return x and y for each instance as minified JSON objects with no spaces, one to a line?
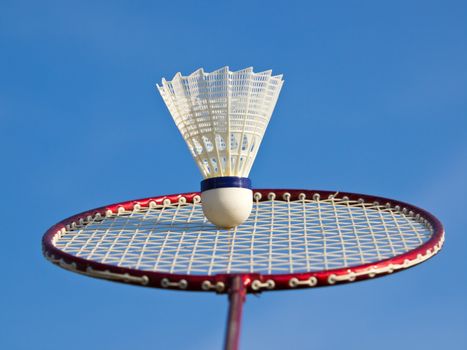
{"x":223,"y":116}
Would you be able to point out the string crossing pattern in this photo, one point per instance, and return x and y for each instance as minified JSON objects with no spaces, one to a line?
{"x":281,"y":236}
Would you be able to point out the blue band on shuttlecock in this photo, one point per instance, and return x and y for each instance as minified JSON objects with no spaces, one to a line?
{"x":225,"y":181}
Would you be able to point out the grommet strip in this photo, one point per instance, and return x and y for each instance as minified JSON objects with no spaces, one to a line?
{"x":166,"y":283}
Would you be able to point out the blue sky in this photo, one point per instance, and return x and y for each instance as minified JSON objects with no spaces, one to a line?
{"x":374,"y":101}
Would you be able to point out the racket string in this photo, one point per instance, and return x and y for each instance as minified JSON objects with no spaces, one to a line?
{"x":281,"y":236}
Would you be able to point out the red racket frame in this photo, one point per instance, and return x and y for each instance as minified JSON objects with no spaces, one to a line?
{"x":237,"y":285}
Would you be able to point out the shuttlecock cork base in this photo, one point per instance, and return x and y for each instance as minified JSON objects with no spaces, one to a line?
{"x":227,"y":201}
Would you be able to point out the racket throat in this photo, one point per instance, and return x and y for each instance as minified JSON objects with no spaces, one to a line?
{"x":237,"y":296}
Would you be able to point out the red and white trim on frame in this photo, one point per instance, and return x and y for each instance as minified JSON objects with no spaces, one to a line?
{"x":255,"y":282}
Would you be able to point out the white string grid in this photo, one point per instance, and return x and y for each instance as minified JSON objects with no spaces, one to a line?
{"x":281,"y":236}
{"x":222,"y":116}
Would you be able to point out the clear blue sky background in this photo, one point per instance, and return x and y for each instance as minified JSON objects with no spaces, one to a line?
{"x":374,"y":101}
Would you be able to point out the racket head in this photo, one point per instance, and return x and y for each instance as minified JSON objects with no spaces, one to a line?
{"x":293,"y":239}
